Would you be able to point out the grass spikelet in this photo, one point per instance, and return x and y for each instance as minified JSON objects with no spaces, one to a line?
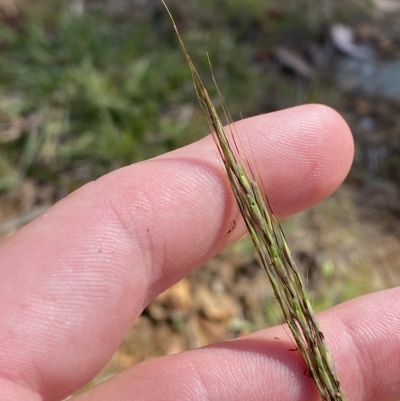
{"x":272,"y":248}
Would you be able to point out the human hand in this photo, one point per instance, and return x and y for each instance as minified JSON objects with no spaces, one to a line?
{"x":74,"y":280}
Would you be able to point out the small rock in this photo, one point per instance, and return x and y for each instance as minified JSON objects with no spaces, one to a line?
{"x":344,"y":40}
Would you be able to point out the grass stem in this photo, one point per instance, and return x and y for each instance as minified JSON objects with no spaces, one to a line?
{"x":271,"y":247}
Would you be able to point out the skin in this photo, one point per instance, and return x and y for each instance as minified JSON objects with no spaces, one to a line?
{"x":75,"y":279}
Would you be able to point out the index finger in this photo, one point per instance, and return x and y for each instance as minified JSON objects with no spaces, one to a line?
{"x":78,"y":276}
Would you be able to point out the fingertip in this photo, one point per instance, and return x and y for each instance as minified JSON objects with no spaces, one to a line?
{"x":304,"y":154}
{"x":330,"y":147}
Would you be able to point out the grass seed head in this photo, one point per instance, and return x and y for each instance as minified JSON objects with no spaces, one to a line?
{"x":271,"y":246}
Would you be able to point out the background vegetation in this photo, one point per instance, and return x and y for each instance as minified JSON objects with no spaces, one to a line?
{"x":92,"y":90}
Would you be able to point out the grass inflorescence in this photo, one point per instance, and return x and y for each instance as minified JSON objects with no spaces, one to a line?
{"x":272,"y":248}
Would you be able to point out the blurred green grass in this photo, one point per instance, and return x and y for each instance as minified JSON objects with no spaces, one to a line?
{"x":97,"y":90}
{"x":86,"y":93}
{"x":95,"y":93}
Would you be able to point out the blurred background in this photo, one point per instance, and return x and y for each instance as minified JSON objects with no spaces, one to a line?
{"x":89,"y":86}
